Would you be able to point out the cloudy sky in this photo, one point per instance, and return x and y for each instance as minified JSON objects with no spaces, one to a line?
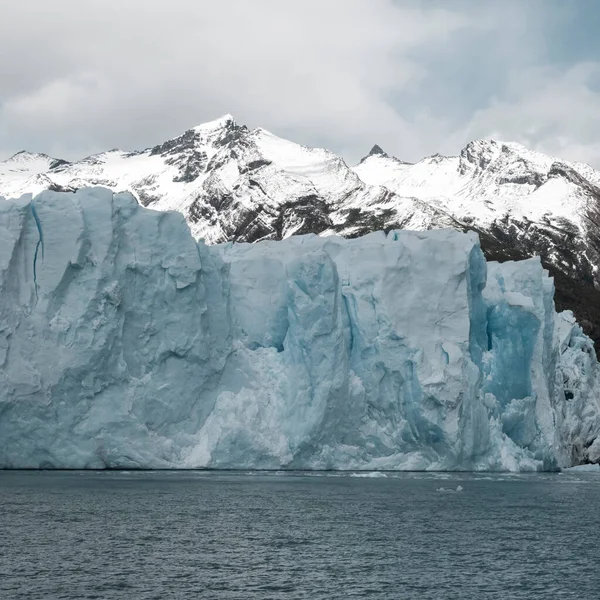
{"x":416,"y":77}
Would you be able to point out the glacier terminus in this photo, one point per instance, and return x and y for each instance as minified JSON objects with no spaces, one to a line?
{"x":126,"y":343}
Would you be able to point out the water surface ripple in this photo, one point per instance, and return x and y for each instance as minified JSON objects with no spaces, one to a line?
{"x":173,"y":535}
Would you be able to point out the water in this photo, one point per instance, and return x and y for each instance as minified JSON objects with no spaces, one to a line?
{"x":169,"y":535}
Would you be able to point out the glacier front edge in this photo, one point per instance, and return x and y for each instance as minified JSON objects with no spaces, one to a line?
{"x":124,"y":343}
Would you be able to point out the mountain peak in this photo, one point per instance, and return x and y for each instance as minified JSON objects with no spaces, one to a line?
{"x":220,"y":123}
{"x":481,"y":154}
{"x":26,"y":156}
{"x":376,"y":150}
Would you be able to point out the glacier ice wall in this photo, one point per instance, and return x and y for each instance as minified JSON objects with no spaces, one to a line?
{"x":124,"y":343}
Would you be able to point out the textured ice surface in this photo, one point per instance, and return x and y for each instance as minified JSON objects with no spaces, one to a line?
{"x":124,"y":343}
{"x":595,"y":468}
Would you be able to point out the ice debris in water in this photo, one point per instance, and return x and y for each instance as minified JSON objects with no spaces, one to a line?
{"x":459,"y":488}
{"x":131,"y":345}
{"x":583,"y":469}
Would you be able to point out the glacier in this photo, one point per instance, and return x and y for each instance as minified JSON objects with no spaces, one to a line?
{"x":125,"y":343}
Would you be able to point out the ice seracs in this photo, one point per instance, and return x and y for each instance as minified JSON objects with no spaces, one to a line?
{"x":129,"y":344}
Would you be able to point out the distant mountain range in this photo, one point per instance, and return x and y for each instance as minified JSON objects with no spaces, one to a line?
{"x":233,"y":183}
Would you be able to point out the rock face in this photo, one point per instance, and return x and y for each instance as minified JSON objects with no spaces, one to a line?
{"x":125,"y":343}
{"x":236,"y":184}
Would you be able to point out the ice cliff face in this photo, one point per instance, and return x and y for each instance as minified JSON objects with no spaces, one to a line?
{"x":124,"y":343}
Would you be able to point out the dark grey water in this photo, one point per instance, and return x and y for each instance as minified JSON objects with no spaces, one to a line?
{"x":170,"y":535}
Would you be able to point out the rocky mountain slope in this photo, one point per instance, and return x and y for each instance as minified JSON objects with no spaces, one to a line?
{"x":233,"y":183}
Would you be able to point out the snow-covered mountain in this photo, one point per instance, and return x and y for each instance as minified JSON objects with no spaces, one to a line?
{"x":233,"y":183}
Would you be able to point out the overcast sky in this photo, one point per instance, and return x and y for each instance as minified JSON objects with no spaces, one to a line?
{"x":416,"y":77}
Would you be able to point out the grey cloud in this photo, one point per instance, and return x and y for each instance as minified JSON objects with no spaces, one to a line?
{"x":79,"y":77}
{"x":549,"y":109}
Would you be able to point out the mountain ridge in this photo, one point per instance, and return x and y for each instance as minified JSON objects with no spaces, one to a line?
{"x":238,"y":184}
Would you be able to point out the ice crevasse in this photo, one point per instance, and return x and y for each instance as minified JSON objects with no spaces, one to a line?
{"x":126,"y":343}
